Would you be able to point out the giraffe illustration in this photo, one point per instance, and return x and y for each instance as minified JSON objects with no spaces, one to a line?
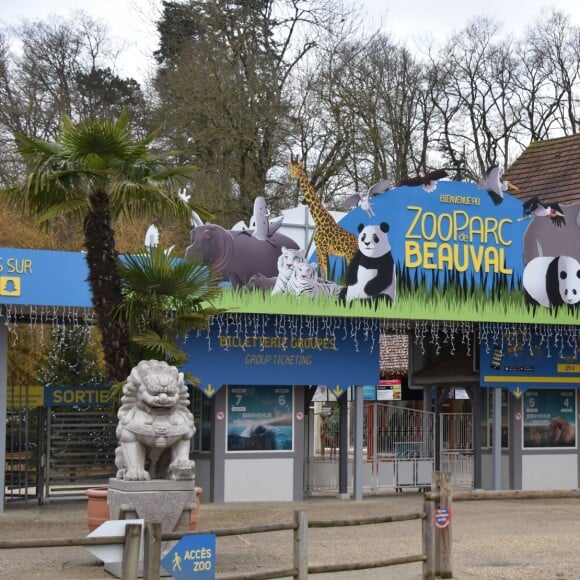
{"x":329,"y":237}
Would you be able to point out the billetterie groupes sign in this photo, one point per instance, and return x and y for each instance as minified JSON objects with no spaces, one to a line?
{"x":255,"y":350}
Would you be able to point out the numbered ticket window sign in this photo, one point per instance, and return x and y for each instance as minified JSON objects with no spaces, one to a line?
{"x":549,"y":418}
{"x":260,"y":419}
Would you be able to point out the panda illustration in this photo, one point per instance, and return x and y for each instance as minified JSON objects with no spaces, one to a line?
{"x":552,"y":282}
{"x":371,"y":271}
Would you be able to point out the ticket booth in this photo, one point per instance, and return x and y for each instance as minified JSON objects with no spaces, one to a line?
{"x":250,"y":444}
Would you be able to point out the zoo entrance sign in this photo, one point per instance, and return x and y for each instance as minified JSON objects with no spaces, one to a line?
{"x":449,"y":254}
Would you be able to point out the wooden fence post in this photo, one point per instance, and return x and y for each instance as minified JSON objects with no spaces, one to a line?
{"x":152,"y":551}
{"x":428,"y":529}
{"x":131,"y":552}
{"x":301,"y":544}
{"x":442,"y":483}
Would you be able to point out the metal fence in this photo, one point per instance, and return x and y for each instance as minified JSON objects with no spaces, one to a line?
{"x":456,"y":447}
{"x":56,"y":453}
{"x":398,"y":449}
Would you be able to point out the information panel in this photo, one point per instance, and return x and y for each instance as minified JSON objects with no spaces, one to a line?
{"x":259,"y":419}
{"x":550,"y":418}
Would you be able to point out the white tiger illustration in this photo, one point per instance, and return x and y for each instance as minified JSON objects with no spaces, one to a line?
{"x":286,"y":262}
{"x":304,"y":280}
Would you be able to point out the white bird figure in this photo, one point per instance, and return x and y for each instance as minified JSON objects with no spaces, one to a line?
{"x":535,"y":208}
{"x":152,"y":239}
{"x":261,"y":224}
{"x":195,"y":219}
{"x":363,"y":200}
{"x":494,"y":185}
{"x":152,"y":236}
{"x":365,"y":204}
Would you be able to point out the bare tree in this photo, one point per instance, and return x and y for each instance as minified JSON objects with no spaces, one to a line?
{"x":224,"y":78}
{"x":60,"y":67}
{"x":370,"y":97}
{"x":550,"y":55}
{"x":476,"y":97}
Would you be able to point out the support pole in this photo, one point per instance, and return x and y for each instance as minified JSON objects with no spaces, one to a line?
{"x":343,"y":446}
{"x":3,"y":402}
{"x":428,"y":529}
{"x":152,"y":551}
{"x":301,"y":544}
{"x":442,"y":484}
{"x":496,"y":439}
{"x":358,"y":443}
{"x":130,"y":563}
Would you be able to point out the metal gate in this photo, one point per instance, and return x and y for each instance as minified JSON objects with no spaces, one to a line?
{"x":23,"y":459}
{"x":398,"y":449}
{"x":400,"y":446}
{"x":456,"y":447}
{"x":58,"y":452}
{"x":80,"y":450}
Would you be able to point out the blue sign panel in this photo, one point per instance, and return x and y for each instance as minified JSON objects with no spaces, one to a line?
{"x":193,"y":557}
{"x":452,"y":236}
{"x":56,"y":396}
{"x":260,"y":419}
{"x":42,"y":277}
{"x":280,"y":350}
{"x":549,"y":360}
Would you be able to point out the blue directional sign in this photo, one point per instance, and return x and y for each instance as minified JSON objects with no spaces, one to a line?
{"x":43,"y":277}
{"x":546,"y":360}
{"x":192,"y":558}
{"x":306,"y":351}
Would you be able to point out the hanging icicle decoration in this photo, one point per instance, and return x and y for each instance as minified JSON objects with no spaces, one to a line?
{"x":573,"y":341}
{"x":548,"y":333}
{"x":527,"y":339}
{"x":467,"y":337}
{"x":453,"y":333}
{"x":283,"y":323}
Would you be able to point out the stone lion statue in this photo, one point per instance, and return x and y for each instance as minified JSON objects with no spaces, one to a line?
{"x":155,"y":425}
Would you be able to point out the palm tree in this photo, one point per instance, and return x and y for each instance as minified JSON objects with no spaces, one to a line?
{"x":96,"y":171}
{"x":165,"y":298}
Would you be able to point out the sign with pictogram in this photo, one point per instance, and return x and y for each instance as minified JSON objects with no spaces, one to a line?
{"x":442,"y":517}
{"x":192,"y":558}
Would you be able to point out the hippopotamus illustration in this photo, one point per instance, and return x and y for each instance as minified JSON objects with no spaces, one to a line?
{"x":237,"y":255}
{"x":543,"y":238}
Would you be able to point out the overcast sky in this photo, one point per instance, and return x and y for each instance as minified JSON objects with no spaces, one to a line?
{"x":132,"y":21}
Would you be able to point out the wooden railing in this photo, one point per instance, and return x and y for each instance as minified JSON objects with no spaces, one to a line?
{"x":153,"y":539}
{"x":436,"y":542}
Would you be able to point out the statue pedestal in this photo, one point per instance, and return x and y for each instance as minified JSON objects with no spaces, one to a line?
{"x":158,"y":500}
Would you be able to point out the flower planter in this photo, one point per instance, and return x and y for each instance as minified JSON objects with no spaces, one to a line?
{"x":195,"y":513}
{"x":98,"y":508}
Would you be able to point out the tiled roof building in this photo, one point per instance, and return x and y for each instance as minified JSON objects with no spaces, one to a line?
{"x":549,"y":170}
{"x":394,"y":355}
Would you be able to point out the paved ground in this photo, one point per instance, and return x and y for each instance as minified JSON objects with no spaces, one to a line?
{"x":517,"y":539}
